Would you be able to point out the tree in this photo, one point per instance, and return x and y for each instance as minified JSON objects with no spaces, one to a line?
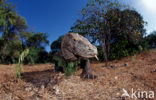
{"x":151,"y":39}
{"x":126,"y":25}
{"x":56,"y":45}
{"x":36,"y":42}
{"x":105,"y":22}
{"x":11,"y":24}
{"x":16,"y":37}
{"x":94,"y":24}
{"x":127,"y":32}
{"x":33,"y":39}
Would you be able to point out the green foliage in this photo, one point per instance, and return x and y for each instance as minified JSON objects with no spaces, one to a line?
{"x":59,"y":61}
{"x":12,"y":50}
{"x":34,"y":41}
{"x":100,"y":54}
{"x":144,"y":45}
{"x":16,"y":38}
{"x":37,"y":40}
{"x":44,"y":57}
{"x":20,"y":62}
{"x":117,"y":29}
{"x":36,"y":56}
{"x":140,"y":48}
{"x":125,"y":48}
{"x":68,"y":67}
{"x":10,"y":22}
{"x":119,"y":50}
{"x":33,"y":56}
{"x":133,"y":58}
{"x":56,"y":45}
{"x":132,"y":26}
{"x":126,"y":25}
{"x":151,"y":40}
{"x":11,"y":25}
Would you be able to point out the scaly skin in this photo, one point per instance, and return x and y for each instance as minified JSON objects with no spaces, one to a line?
{"x":76,"y":47}
{"x":87,"y":72}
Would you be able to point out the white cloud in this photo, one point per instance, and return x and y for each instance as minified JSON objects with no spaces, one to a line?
{"x":150,"y":5}
{"x":147,"y":8}
{"x":148,"y":32}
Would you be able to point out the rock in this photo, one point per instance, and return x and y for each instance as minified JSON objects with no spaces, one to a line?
{"x":28,"y":89}
{"x":41,"y":90}
{"x":126,"y":64}
{"x":154,"y":70}
{"x":112,"y":66}
{"x":56,"y":90}
{"x":116,"y":77}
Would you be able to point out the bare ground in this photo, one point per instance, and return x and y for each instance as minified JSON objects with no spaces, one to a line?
{"x":40,"y":82}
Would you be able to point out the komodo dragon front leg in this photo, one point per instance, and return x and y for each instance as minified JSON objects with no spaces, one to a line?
{"x":87,"y":72}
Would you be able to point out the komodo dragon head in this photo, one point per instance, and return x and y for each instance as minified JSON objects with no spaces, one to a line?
{"x":75,"y":46}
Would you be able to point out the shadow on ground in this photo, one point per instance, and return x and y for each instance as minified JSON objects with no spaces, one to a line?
{"x":42,"y":78}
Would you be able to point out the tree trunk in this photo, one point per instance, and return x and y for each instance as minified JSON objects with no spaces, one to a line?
{"x":103,"y":44}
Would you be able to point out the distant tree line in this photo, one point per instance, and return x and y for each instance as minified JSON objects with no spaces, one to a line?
{"x":116,"y":29}
{"x":16,"y":37}
{"x":151,"y":40}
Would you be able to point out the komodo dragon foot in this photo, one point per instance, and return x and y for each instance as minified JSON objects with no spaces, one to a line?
{"x":87,"y":72}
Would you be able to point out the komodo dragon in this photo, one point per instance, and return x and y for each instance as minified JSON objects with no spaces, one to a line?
{"x":76,"y":47}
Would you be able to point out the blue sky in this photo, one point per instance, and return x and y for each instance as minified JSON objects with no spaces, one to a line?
{"x":55,"y":17}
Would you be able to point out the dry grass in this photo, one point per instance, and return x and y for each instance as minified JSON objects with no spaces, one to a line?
{"x":40,"y":82}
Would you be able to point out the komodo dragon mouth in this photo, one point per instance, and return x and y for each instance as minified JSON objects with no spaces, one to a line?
{"x":74,"y":46}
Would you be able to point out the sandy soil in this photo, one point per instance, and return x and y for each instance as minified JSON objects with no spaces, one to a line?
{"x":40,"y":82}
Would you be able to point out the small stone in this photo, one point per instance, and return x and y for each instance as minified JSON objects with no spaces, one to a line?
{"x":126,"y":64}
{"x":35,"y":90}
{"x":111,"y":67}
{"x":116,"y":77}
{"x":153,"y":70}
{"x":118,"y":94}
{"x":28,"y":89}
{"x":56,"y":89}
{"x":41,"y":90}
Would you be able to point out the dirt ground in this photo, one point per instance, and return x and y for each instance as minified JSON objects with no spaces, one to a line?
{"x":40,"y":82}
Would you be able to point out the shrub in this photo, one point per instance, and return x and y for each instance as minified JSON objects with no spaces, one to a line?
{"x":68,"y":67}
{"x":20,"y":62}
{"x":33,"y":56}
{"x":124,"y":48}
{"x":119,"y":50}
{"x":100,"y":54}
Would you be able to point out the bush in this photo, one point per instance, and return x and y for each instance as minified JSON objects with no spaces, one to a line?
{"x":20,"y":62}
{"x":70,"y":68}
{"x":151,"y":40}
{"x":100,"y":53}
{"x":33,"y":56}
{"x":119,"y":50}
{"x":124,"y":48}
{"x":67,"y":67}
